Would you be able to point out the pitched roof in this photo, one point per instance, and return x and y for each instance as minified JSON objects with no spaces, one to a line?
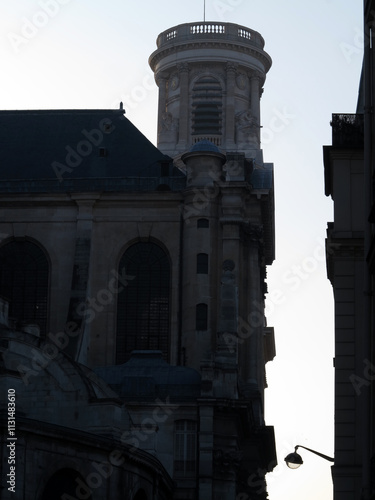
{"x":75,"y":150}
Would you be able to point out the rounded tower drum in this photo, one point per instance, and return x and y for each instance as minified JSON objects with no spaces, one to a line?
{"x":210,"y":78}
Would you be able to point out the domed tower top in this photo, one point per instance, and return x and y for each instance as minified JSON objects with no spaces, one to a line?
{"x":210,"y":78}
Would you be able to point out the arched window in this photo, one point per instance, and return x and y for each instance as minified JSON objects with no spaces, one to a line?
{"x":185,"y":447}
{"x":203,"y":223}
{"x":143,"y":303}
{"x":202,"y":263}
{"x":207,"y":107}
{"x":65,"y":483}
{"x":141,"y":495}
{"x":201,"y":317}
{"x":24,"y":275}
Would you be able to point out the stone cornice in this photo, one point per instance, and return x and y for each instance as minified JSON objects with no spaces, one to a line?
{"x":216,"y":44}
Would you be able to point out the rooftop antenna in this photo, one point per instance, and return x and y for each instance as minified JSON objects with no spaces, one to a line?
{"x":204,"y":11}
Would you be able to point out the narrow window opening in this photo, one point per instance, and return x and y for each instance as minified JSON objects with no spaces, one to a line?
{"x":202,"y":263}
{"x":203,"y":223}
{"x":201,"y":317}
{"x":185,"y":448}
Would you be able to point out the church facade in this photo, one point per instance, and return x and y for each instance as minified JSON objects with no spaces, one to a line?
{"x":133,"y":281}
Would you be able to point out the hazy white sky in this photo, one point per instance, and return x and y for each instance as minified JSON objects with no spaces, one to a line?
{"x":93,"y":54}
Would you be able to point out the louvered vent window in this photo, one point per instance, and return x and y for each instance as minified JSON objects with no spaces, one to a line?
{"x":143,"y":302}
{"x":24,"y":275}
{"x":207,"y":107}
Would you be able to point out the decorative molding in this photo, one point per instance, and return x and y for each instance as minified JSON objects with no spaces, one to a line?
{"x":183,"y":67}
{"x":217,"y":45}
{"x":226,"y":461}
{"x":242,"y":81}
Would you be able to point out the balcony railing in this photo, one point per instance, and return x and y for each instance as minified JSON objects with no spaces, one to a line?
{"x":215,"y":139}
{"x":221,"y":31}
{"x":347,"y":130}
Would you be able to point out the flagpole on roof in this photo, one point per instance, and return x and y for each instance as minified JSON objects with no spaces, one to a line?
{"x":204,"y":11}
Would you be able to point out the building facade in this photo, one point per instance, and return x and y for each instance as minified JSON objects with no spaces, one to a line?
{"x":349,"y":170}
{"x":142,"y":272}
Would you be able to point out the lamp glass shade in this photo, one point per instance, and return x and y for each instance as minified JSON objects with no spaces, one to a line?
{"x":293,"y":460}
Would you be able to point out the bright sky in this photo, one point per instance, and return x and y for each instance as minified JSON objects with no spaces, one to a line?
{"x":93,"y":54}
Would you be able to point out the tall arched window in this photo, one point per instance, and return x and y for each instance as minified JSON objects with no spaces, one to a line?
{"x":141,"y":495}
{"x":143,"y":303}
{"x":64,"y":484}
{"x":24,"y":272}
{"x":207,"y":107}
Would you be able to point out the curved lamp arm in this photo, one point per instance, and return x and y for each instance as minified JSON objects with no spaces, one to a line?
{"x":330,"y":459}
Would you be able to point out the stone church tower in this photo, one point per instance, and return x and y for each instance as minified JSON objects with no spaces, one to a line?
{"x":133,"y":281}
{"x":210,"y":79}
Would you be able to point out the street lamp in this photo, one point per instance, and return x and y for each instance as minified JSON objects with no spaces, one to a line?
{"x":294,"y":460}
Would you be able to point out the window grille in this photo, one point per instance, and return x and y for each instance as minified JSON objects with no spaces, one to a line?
{"x":24,"y":276}
{"x":143,"y":303}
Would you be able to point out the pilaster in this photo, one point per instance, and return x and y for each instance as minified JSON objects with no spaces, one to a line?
{"x":230,"y":106}
{"x":183,"y":130}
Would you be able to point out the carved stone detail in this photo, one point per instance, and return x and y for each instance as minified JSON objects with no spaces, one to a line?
{"x":247,"y":127}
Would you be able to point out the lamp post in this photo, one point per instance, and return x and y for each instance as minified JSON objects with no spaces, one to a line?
{"x":294,"y":460}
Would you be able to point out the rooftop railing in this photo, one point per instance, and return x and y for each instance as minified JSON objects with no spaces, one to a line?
{"x":210,"y":30}
{"x":347,"y":130}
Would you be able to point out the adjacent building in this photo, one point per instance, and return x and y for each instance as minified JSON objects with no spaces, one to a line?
{"x":349,"y":170}
{"x":133,"y":281}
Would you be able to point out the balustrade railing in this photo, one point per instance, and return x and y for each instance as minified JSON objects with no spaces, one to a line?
{"x":204,"y":30}
{"x":215,"y":139}
{"x":347,"y":130}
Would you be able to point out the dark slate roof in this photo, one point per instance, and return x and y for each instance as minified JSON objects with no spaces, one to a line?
{"x":75,"y":150}
{"x":147,"y":376}
{"x":204,"y":145}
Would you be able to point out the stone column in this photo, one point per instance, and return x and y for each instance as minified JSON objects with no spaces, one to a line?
{"x":230,"y":106}
{"x":184,"y":106}
{"x":162,"y":84}
{"x":77,"y":347}
{"x":252,"y":316}
{"x":255,"y":97}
